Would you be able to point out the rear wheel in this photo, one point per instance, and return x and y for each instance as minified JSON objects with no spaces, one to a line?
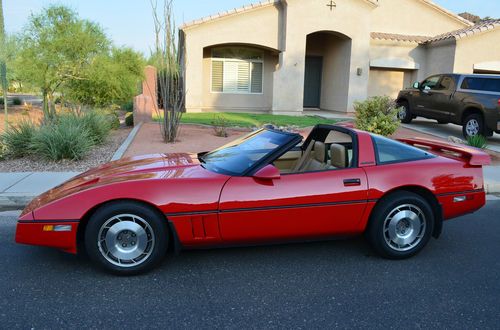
{"x":126,"y":238}
{"x":404,"y":113}
{"x":474,"y":125}
{"x":401,"y":225}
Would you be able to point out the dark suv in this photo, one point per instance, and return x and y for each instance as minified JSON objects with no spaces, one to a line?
{"x":472,"y":101}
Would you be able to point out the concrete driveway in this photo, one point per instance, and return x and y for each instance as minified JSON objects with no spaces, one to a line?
{"x":431,"y":127}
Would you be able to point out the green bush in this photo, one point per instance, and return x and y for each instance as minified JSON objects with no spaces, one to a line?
{"x":98,"y":125}
{"x":17,"y":139}
{"x":477,"y":141}
{"x":220,"y":124}
{"x":68,"y":138}
{"x":17,"y":101}
{"x":377,"y":115}
{"x":128,"y":106}
{"x":129,"y":119}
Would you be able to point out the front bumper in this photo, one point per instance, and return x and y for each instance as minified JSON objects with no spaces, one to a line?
{"x":55,"y":234}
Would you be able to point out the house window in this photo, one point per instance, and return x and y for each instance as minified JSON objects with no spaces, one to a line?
{"x":237,"y":70}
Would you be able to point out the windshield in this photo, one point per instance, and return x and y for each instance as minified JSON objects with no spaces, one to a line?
{"x":239,"y":156}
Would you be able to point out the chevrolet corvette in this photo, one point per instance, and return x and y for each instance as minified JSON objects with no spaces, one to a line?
{"x":267,"y":187}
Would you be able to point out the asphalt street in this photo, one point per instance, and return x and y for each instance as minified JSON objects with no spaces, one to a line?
{"x":453,"y":283}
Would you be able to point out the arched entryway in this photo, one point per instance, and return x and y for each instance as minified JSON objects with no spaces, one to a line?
{"x":327,"y":67}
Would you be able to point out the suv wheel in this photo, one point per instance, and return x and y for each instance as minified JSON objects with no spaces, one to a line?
{"x":474,"y":125}
{"x":404,"y":113}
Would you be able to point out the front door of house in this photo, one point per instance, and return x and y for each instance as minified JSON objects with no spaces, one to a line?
{"x":312,"y":81}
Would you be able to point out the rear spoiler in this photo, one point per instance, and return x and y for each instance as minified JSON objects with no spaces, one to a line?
{"x":472,"y":156}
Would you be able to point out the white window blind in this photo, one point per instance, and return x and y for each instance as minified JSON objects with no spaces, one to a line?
{"x":256,"y":77}
{"x":235,"y":75}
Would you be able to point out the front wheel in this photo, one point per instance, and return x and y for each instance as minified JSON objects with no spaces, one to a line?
{"x":126,"y":238}
{"x":404,"y":113}
{"x":400,"y":226}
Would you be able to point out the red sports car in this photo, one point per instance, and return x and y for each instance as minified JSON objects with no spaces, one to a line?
{"x":265,"y":187}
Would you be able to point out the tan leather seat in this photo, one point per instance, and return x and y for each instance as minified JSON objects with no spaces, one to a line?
{"x":304,"y":158}
{"x":317,"y":160}
{"x":338,"y":156}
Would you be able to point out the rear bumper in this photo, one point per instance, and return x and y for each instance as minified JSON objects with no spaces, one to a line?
{"x":458,"y":204}
{"x":55,"y":234}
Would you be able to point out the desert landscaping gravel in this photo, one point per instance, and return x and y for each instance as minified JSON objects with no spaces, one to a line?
{"x":97,"y":156}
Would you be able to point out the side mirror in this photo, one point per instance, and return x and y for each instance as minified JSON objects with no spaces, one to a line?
{"x":268,"y":172}
{"x":416,"y":85}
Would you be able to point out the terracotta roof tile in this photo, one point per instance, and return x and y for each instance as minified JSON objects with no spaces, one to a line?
{"x":398,"y":37}
{"x":466,"y":32}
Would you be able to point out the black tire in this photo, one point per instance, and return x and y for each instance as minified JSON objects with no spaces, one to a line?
{"x":474,"y":125}
{"x":405,"y":115}
{"x":140,"y":236}
{"x":388,"y":226}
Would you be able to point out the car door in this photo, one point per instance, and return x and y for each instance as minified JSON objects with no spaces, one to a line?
{"x":422,"y":96}
{"x":438,"y":99}
{"x":295,"y":206}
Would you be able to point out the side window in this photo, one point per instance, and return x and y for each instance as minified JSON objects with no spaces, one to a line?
{"x":492,"y":85}
{"x":446,"y":83}
{"x":472,"y":83}
{"x":389,"y":151}
{"x":431,"y":82}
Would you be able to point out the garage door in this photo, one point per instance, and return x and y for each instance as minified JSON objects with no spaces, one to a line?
{"x":388,"y":82}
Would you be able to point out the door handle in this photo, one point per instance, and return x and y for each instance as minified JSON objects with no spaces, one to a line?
{"x":352,"y":182}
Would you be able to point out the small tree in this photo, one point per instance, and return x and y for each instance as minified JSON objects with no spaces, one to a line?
{"x":377,"y":115}
{"x":57,"y":47}
{"x":166,"y":58}
{"x":112,"y":78}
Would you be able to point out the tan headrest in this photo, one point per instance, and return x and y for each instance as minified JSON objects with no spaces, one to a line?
{"x":319,"y":151}
{"x":338,"y":155}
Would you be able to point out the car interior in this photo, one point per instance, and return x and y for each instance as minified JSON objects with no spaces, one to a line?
{"x":324,"y":149}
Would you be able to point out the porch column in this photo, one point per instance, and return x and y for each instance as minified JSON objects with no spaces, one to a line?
{"x":358,"y":82}
{"x":288,"y":81}
{"x":193,"y":74}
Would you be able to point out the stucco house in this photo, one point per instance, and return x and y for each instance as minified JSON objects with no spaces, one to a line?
{"x":284,"y":56}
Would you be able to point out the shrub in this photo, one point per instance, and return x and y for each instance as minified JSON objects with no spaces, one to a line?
{"x":377,"y":115}
{"x":129,"y":119}
{"x":17,"y":101}
{"x":477,"y":141}
{"x":68,"y":138}
{"x":17,"y":139}
{"x":220,"y":124}
{"x":96,"y":124}
{"x":128,"y":106}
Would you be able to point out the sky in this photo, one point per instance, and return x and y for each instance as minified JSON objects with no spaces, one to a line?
{"x":129,"y":23}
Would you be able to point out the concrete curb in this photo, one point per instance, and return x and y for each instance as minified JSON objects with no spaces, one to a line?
{"x":121,"y":150}
{"x":15,"y":201}
{"x":492,"y":188}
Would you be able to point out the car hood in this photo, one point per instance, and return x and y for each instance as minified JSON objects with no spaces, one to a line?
{"x":147,"y":167}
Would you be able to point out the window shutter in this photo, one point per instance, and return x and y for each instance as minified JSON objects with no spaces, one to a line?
{"x":243,"y":76}
{"x":256,"y":77}
{"x":230,"y":76}
{"x":217,"y":76}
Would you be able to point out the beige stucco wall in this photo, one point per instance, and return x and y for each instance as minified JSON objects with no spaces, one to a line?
{"x":440,"y":58}
{"x":289,"y":79}
{"x":480,"y":48}
{"x":412,"y":17}
{"x":282,"y":29}
{"x":258,"y":26}
{"x":388,"y":82}
{"x":239,"y":102}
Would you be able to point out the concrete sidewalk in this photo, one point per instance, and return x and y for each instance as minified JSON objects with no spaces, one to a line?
{"x":18,"y":188}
